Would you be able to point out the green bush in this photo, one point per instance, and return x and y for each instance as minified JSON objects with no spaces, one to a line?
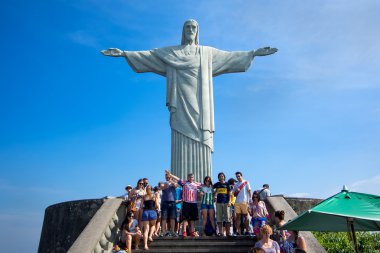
{"x":339,"y":242}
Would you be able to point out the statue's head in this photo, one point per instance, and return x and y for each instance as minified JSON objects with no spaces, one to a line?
{"x":190,"y":32}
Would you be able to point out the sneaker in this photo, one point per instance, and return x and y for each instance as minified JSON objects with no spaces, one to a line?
{"x":168,"y":234}
{"x":184,"y":234}
{"x":173,"y":234}
{"x":160,"y":235}
{"x":247,"y":233}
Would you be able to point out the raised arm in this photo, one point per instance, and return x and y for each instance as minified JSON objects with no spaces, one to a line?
{"x":172,"y":176}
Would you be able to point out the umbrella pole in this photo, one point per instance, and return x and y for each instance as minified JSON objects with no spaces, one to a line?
{"x":352,"y":234}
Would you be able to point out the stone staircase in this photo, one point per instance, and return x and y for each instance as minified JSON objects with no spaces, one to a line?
{"x":93,"y":226}
{"x":201,"y":244}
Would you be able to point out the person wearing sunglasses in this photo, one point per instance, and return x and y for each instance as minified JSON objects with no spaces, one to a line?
{"x":136,"y":196}
{"x":131,"y":232}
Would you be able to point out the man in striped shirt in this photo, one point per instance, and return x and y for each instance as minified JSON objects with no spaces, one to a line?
{"x":189,"y":198}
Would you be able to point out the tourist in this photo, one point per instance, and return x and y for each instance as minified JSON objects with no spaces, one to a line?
{"x":207,"y":205}
{"x":232,"y":182}
{"x":243,"y":194}
{"x":264,"y":192}
{"x":223,"y":203}
{"x":136,"y":196}
{"x":258,"y":212}
{"x":256,"y":250}
{"x":267,"y":244}
{"x":158,"y":192}
{"x":294,"y":241}
{"x":168,"y":206}
{"x":145,"y":181}
{"x":128,"y":189}
{"x":131,"y":232}
{"x":149,"y":215}
{"x":280,"y":234}
{"x":178,"y":201}
{"x":189,"y":197}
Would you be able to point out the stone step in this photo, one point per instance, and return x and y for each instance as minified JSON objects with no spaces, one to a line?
{"x":191,"y":250}
{"x":203,"y":241}
{"x":201,"y":244}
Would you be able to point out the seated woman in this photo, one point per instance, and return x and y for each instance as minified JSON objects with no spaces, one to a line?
{"x":294,"y":243}
{"x":258,"y":212}
{"x":267,"y":244}
{"x":131,"y":231}
{"x":149,"y":215}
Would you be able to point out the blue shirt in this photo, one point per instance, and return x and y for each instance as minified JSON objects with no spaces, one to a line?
{"x":168,"y":194}
{"x":178,"y":196}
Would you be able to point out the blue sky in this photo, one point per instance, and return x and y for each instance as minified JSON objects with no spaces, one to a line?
{"x":78,"y":125}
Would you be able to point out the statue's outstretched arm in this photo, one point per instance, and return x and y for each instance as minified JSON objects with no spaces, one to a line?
{"x":264,"y":51}
{"x":114,"y":52}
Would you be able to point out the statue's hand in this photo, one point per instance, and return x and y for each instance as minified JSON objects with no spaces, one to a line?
{"x":265,"y":51}
{"x":114,"y":52}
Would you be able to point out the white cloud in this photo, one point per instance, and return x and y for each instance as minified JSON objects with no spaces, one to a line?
{"x":368,"y":185}
{"x":323,"y":45}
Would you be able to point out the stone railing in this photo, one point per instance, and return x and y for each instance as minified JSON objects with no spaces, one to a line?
{"x":280,"y":203}
{"x":101,"y":232}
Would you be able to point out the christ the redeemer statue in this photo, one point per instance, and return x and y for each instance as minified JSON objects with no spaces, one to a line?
{"x":189,"y":69}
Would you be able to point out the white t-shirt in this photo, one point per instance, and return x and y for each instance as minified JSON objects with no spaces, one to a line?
{"x":243,"y":195}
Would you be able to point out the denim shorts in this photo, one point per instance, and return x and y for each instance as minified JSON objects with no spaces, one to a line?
{"x":149,"y":215}
{"x":208,"y":207}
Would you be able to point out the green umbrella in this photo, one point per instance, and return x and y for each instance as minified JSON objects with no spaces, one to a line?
{"x":345,"y":211}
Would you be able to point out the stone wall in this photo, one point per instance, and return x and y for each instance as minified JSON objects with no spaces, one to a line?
{"x":301,"y":205}
{"x":64,"y":222}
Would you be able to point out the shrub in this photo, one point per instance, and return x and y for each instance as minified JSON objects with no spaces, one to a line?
{"x":335,"y":242}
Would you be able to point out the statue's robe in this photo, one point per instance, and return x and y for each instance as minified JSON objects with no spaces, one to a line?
{"x":190,"y":98}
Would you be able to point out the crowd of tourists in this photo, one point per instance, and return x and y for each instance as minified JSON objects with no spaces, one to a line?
{"x":227,"y":208}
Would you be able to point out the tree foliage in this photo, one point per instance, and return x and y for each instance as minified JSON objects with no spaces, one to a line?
{"x":339,"y":243}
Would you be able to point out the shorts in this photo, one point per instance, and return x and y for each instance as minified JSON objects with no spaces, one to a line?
{"x":149,"y":215}
{"x":190,"y":211}
{"x":168,"y":210}
{"x":223,"y":212}
{"x":208,"y":207}
{"x":241,"y":208}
